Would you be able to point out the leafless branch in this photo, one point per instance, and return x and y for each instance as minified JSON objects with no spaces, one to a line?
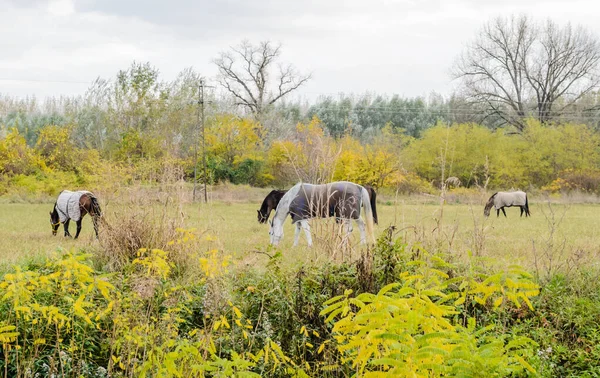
{"x":246,"y":73}
{"x":516,"y":67}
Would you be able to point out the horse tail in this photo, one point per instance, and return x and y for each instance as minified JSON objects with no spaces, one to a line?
{"x":95,"y":206}
{"x":373,"y":197}
{"x":366,"y":203}
{"x":527,"y":205}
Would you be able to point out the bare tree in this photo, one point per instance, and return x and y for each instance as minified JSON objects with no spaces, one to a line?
{"x":520,"y":69}
{"x":246,"y":72}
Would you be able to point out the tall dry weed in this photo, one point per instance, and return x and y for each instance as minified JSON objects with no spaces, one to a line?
{"x":141,"y":222}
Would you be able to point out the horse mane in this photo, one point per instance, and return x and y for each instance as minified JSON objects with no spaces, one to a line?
{"x":54,"y":210}
{"x":276,"y":194}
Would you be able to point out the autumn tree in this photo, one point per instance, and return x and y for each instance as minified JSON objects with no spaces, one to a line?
{"x":309,"y":155}
{"x":16,"y":157}
{"x":253,"y":76}
{"x":519,"y":68}
{"x":234,"y":150}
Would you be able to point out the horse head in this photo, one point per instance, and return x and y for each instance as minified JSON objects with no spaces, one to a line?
{"x":269,"y":203}
{"x":262,"y":218}
{"x":488,"y":205}
{"x":54,"y":221}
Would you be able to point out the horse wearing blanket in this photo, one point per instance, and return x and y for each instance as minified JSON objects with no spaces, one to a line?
{"x":272,"y":200}
{"x":74,"y":206}
{"x":500,"y":200}
{"x":341,"y":199}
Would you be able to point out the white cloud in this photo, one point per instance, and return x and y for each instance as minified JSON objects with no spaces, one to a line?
{"x":61,"y":7}
{"x":385,"y":46}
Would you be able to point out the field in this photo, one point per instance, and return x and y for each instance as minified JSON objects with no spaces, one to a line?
{"x":25,"y":230}
{"x":227,"y":270}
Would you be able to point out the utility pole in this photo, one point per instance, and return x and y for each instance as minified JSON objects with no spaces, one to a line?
{"x":196,"y":142}
{"x":200,"y":129}
{"x":203,"y":140}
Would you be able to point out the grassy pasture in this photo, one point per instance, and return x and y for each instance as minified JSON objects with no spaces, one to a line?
{"x":25,"y":230}
{"x":561,"y":236}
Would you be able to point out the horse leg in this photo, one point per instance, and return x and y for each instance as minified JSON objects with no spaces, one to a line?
{"x":306,"y":228}
{"x":349,"y":227}
{"x":503,"y":212}
{"x":361,"y":228}
{"x":521,"y":207}
{"x":66,"y":226}
{"x":78,"y":228}
{"x":497,"y":213}
{"x":297,"y":234}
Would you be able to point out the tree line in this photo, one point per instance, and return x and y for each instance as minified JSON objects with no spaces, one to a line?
{"x":526,"y":114}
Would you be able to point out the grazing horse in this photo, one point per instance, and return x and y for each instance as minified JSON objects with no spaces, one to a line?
{"x":500,"y":200}
{"x":74,"y":206}
{"x":453,"y":181}
{"x":269,"y":203}
{"x":272,"y":200}
{"x":341,"y":199}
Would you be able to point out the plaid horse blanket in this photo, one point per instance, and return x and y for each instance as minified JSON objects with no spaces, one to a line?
{"x":67,"y":205}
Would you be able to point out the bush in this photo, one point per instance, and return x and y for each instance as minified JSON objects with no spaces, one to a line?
{"x":566,"y":325}
{"x":587,"y":181}
{"x":16,"y":158}
{"x":123,"y":234}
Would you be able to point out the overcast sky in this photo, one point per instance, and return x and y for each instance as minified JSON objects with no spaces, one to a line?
{"x":386,"y":46}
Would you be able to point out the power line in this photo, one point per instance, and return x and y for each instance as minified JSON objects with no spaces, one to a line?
{"x":342,"y":95}
{"x":45,"y":81}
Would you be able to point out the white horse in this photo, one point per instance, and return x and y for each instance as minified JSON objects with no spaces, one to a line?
{"x":341,"y":199}
{"x":500,"y":200}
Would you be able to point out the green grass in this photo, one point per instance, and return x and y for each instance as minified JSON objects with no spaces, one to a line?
{"x":25,"y":231}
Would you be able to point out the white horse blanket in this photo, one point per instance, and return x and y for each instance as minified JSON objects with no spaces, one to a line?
{"x":508,"y":199}
{"x":67,"y":205}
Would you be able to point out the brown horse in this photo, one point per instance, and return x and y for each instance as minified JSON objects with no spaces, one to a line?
{"x":74,"y":206}
{"x":272,"y":200}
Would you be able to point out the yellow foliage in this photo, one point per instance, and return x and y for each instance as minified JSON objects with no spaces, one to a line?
{"x":375,"y":164}
{"x":155,"y":262}
{"x":309,"y":156}
{"x":16,"y":157}
{"x":214,"y":263}
{"x":233,"y":139}
{"x":406,"y":329}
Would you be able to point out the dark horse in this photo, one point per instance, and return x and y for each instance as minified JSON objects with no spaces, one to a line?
{"x":74,"y":206}
{"x":272,"y":200}
{"x":269,"y":204}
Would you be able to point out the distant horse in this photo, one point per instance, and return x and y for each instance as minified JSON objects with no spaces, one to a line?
{"x":74,"y":206}
{"x":341,"y":199}
{"x":453,"y":181}
{"x":272,"y":200}
{"x":269,"y":203}
{"x":500,"y":200}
